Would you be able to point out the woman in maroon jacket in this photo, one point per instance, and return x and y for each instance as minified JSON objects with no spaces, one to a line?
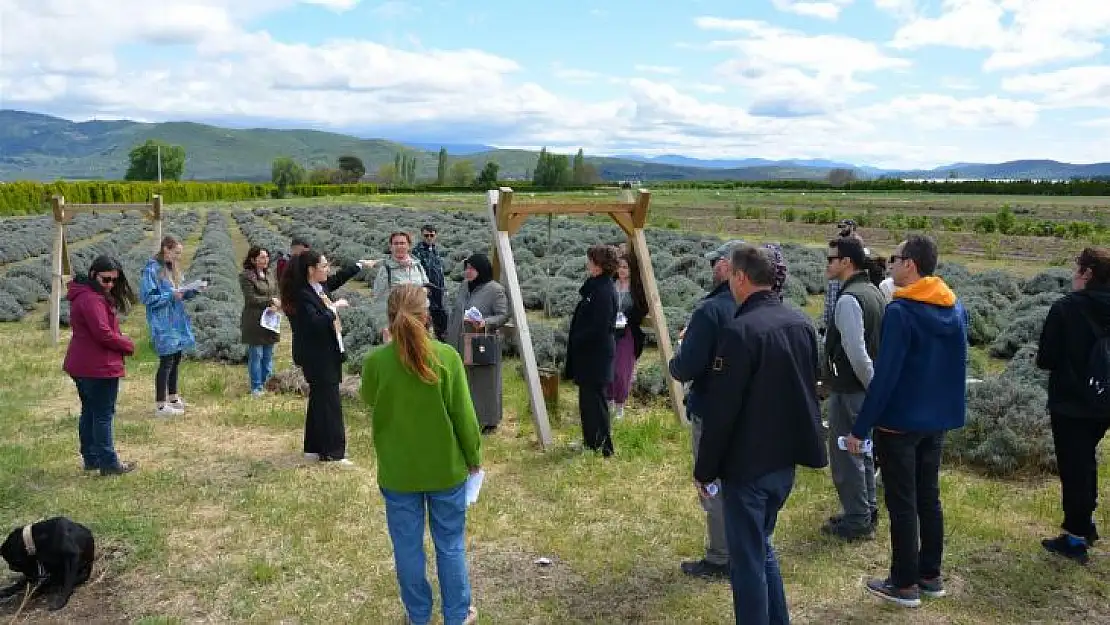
{"x":95,"y":358}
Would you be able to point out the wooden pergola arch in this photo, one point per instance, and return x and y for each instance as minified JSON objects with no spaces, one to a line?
{"x":506,"y":218}
{"x":60,"y":267}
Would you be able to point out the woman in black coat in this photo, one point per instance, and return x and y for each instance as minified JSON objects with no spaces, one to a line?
{"x":318,"y":348}
{"x":591,"y":346}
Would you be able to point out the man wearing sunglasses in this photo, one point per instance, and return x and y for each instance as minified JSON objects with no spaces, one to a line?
{"x":915,"y":396}
{"x":428,"y":254}
{"x":851,"y":345}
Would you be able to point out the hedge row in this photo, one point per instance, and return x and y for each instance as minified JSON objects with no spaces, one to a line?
{"x":28,"y":198}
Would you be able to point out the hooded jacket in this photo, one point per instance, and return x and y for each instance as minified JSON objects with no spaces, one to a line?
{"x":921,"y":372}
{"x":1065,"y":347}
{"x":97,"y":347}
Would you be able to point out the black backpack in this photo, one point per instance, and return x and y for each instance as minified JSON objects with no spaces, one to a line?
{"x":1097,"y":379}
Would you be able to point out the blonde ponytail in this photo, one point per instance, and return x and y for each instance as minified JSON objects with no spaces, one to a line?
{"x":407,"y":309}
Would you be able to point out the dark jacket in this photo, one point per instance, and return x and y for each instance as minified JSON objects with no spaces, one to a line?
{"x":841,"y":375}
{"x":257,"y":293}
{"x":315,"y":346}
{"x":692,"y":360}
{"x":920,"y":382}
{"x":761,"y":413}
{"x":433,"y":267}
{"x":591,"y":345}
{"x":97,"y":347}
{"x":1064,"y":349}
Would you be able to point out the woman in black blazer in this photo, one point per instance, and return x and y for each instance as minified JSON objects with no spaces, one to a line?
{"x":318,"y":348}
{"x":591,"y":346}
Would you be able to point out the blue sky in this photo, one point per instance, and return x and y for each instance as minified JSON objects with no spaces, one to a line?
{"x":894,"y":83}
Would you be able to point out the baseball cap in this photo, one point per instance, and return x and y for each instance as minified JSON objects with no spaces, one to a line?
{"x":723,"y":251}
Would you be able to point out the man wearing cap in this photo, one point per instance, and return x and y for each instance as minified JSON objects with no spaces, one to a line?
{"x":692,"y":363}
{"x":428,"y":255}
{"x":296,"y":247}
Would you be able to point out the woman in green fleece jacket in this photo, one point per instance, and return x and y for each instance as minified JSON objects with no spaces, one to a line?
{"x":427,"y":440}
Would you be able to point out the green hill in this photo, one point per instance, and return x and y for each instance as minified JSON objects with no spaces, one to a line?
{"x":41,"y":147}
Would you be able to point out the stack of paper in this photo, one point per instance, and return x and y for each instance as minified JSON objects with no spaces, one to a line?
{"x":271,"y":320}
{"x":474,"y":486}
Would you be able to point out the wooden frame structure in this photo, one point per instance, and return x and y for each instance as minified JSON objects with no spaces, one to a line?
{"x":60,"y":267}
{"x":506,"y":219}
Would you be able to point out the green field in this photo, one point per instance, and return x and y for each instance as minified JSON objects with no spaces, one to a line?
{"x":224,"y":523}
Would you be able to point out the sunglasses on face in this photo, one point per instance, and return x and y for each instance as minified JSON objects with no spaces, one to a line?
{"x":106,"y":279}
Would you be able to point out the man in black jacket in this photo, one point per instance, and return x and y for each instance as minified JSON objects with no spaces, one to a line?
{"x":692,"y":363}
{"x":1074,"y":325}
{"x":762,"y":420}
{"x":428,"y":254}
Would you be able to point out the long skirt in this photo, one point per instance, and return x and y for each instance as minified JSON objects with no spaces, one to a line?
{"x":624,"y":365}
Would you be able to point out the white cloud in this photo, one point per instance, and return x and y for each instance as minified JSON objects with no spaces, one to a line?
{"x":789,"y":73}
{"x":337,"y":5}
{"x":1018,"y":33}
{"x":656,"y":69}
{"x":899,"y":8}
{"x":1072,"y":87}
{"x":939,"y":112}
{"x":822,"y":9}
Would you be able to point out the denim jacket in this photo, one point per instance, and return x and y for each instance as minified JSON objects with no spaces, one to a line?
{"x":170,"y":330}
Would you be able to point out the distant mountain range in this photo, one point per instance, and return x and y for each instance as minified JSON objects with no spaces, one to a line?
{"x":41,"y":147}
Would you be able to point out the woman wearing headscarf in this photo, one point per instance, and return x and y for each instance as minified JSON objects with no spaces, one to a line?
{"x":482,"y":292}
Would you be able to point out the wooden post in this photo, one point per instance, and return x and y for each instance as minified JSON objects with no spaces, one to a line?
{"x":503,"y":247}
{"x":56,"y":269}
{"x":156,"y":215}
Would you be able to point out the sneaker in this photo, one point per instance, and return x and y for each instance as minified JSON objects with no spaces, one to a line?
{"x":846,"y":533}
{"x":119,"y":469}
{"x":343,"y":462}
{"x":311,"y":457}
{"x":258,"y":392}
{"x":932,"y":588}
{"x":168,"y":410}
{"x":471,"y":616}
{"x":1071,"y":547}
{"x":839,"y":518}
{"x":905,"y":597}
{"x":705,"y":570}
{"x":178,"y":403}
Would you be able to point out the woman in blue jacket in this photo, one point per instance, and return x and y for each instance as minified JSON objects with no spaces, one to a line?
{"x":170,"y":331}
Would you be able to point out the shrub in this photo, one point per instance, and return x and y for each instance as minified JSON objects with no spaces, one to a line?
{"x":650,"y":381}
{"x":1007,"y":429}
{"x":1022,"y":368}
{"x":1052,"y":281}
{"x":680,"y":292}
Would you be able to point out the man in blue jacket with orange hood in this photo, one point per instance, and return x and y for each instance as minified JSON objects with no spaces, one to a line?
{"x":917,"y":394}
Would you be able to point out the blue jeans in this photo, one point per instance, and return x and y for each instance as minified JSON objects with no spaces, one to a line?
{"x":260,"y":365}
{"x":751,"y":510}
{"x":98,"y":409}
{"x":405,"y":514}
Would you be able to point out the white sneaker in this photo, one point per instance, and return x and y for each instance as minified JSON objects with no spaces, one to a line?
{"x":178,"y":403}
{"x":168,"y":410}
{"x":343,"y":462}
{"x":471,"y":616}
{"x":311,"y":457}
{"x":258,"y":393}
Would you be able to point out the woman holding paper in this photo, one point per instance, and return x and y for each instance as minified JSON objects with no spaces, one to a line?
{"x":171,"y":333}
{"x":260,"y":292}
{"x":482,"y":294}
{"x":318,"y":348}
{"x":429,"y":450}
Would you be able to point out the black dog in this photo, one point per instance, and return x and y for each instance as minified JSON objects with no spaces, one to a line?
{"x":56,"y":553}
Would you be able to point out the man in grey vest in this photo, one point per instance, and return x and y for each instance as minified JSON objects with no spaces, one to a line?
{"x":851,"y":345}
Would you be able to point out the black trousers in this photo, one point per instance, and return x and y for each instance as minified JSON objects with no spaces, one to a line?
{"x":439,"y":322}
{"x":165,"y":380}
{"x":1076,"y":443}
{"x":911,"y":480}
{"x":594,"y":410}
{"x":324,"y":432}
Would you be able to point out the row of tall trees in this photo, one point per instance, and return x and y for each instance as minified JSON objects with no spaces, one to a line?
{"x":556,"y":171}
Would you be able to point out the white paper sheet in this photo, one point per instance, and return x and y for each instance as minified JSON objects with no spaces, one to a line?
{"x":474,"y":486}
{"x":195,"y":285}
{"x":271,"y":321}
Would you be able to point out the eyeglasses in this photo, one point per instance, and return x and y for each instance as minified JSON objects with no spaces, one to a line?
{"x":106,"y":279}
{"x":429,"y":235}
{"x":895,"y":258}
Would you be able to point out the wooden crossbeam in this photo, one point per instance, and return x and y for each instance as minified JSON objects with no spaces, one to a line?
{"x":508,"y":217}
{"x":60,"y":262}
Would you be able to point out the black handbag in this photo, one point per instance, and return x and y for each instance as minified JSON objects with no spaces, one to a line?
{"x":481,"y":349}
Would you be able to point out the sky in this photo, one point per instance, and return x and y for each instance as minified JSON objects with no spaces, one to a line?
{"x":887,"y":83}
